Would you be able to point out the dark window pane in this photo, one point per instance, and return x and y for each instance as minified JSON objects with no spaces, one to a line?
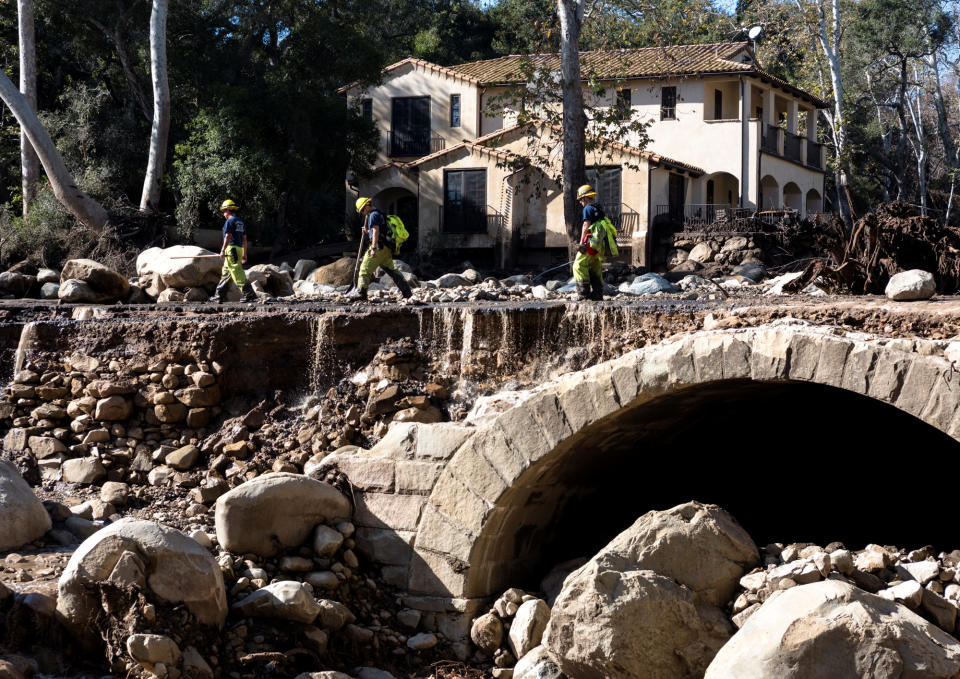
{"x":624,"y":103}
{"x":606,"y":182}
{"x":668,"y":103}
{"x":717,"y":104}
{"x":410,"y":126}
{"x":465,"y":200}
{"x":366,"y":107}
{"x":454,"y":110}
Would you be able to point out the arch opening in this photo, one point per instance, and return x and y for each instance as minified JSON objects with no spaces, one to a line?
{"x":769,"y":193}
{"x":792,"y":461}
{"x":792,"y":197}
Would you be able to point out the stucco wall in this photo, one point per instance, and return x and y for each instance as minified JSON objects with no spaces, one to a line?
{"x":415,"y":81}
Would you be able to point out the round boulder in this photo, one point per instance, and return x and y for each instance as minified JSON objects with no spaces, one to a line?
{"x":338,"y":273}
{"x":180,"y":266}
{"x":159,"y":560}
{"x":833,"y":629}
{"x":106,"y":283}
{"x":22,"y":516}
{"x":911,"y":285}
{"x":287,"y":599}
{"x":276,"y":510}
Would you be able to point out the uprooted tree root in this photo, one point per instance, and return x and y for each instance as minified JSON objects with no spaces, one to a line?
{"x":882,"y":244}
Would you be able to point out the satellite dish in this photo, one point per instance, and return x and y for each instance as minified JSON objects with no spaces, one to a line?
{"x":754,"y":32}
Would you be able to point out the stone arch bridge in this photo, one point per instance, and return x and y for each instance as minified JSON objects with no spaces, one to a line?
{"x":453,"y":514}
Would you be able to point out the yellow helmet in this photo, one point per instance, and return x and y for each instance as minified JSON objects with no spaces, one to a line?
{"x":586,"y":191}
{"x":228,"y":205}
{"x":361,"y":202}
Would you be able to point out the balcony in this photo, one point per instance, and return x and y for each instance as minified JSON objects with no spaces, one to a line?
{"x":771,"y":139}
{"x":710,"y":218}
{"x":814,"y":154}
{"x":415,"y":143}
{"x":793,"y":147}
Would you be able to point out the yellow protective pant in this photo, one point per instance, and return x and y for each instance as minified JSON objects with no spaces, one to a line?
{"x":233,"y":266}
{"x":585,"y":266}
{"x":382,"y":258}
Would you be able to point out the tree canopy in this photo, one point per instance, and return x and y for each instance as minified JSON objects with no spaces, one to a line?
{"x":255,"y":113}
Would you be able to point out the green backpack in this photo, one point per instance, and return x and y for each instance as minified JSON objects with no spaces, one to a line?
{"x":399,"y":232}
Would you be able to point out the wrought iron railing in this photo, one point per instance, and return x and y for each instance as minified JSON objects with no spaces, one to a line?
{"x":813,"y":154}
{"x":415,"y":143}
{"x":793,"y":147}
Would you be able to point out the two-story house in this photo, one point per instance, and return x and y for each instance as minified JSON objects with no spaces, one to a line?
{"x":724,"y":136}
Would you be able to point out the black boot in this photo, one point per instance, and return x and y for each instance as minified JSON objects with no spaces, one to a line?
{"x":401,"y":282}
{"x":220,"y":296}
{"x":596,"y":285}
{"x":248,"y":293}
{"x":358,"y":294}
{"x":583,"y":291}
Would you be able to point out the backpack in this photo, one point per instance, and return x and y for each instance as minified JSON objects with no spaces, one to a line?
{"x":398,"y":232}
{"x":603,"y":235}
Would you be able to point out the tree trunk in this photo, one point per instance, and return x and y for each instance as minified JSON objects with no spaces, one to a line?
{"x":29,"y":163}
{"x":150,"y":199}
{"x":574,"y":118}
{"x":64,"y":187}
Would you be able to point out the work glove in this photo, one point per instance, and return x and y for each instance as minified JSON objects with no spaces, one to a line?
{"x":582,"y":248}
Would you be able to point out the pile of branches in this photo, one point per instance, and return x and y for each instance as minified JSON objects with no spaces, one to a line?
{"x":881,"y":244}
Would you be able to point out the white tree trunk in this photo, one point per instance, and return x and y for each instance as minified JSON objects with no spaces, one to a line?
{"x":84,"y":208}
{"x":29,"y":163}
{"x":574,"y":118}
{"x":150,"y":198}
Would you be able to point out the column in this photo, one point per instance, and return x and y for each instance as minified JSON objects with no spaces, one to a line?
{"x":812,"y":124}
{"x":746,"y":109}
{"x":792,"y":116}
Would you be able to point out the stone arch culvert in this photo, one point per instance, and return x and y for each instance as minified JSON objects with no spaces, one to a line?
{"x":803,"y":433}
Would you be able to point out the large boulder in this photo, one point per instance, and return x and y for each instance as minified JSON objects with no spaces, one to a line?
{"x":338,"y":273}
{"x":73,"y":291}
{"x":22,"y":516}
{"x":700,"y":546}
{"x":108,"y":284}
{"x":648,"y":604}
{"x":172,"y":272}
{"x":276,"y":510}
{"x":833,"y":629}
{"x":636,"y":623}
{"x":911,"y":285}
{"x":160,"y":561}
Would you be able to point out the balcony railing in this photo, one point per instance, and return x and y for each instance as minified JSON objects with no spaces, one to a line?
{"x":712,"y":217}
{"x":793,"y":147}
{"x":770,"y":141}
{"x":813,"y":154}
{"x":477,"y":220}
{"x":416,"y":143}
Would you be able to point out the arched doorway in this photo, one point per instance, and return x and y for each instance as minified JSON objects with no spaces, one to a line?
{"x":792,"y":197}
{"x":403,"y":203}
{"x":721,"y":190}
{"x":769,"y":194}
{"x":814,"y":202}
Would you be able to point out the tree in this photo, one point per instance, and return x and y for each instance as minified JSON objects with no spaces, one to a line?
{"x":828,"y":33}
{"x":150,"y":198}
{"x":29,"y":163}
{"x":84,"y":208}
{"x":574,"y":119}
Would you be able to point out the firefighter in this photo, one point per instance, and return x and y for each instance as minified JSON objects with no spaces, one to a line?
{"x":597,"y":239}
{"x":234,"y":252}
{"x":380,"y":252}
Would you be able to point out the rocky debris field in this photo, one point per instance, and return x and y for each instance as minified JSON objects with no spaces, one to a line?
{"x":710,"y":270}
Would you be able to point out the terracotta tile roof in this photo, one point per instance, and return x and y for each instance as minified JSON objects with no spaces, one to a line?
{"x":426,"y":65}
{"x":480,"y":145}
{"x":626,"y":64}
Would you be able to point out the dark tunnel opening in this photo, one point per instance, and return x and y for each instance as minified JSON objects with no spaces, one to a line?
{"x":793,"y":462}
